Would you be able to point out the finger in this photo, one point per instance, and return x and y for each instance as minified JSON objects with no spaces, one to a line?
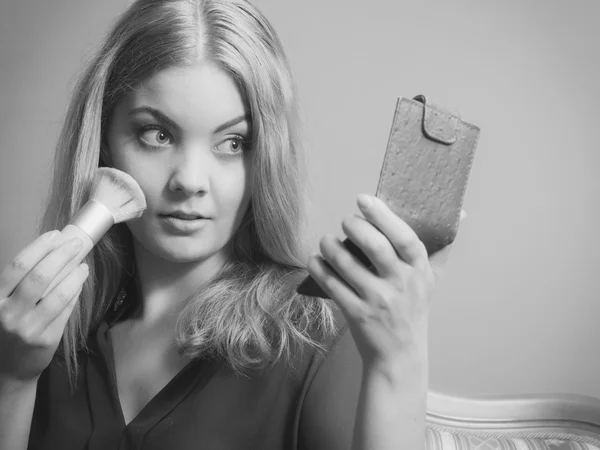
{"x":402,"y":237}
{"x":347,"y":266}
{"x":33,"y":286}
{"x":54,"y":331}
{"x":374,"y":244}
{"x":52,"y":306}
{"x":334,"y":287}
{"x":15,"y":271}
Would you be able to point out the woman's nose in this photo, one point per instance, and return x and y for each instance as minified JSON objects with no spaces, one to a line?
{"x":190,"y":171}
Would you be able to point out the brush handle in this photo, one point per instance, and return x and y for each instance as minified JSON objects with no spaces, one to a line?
{"x":91,"y":223}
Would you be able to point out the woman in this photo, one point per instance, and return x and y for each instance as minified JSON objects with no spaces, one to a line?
{"x":192,"y":336}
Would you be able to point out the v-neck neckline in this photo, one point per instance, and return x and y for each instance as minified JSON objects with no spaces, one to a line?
{"x":162,"y":398}
{"x":193,"y":376}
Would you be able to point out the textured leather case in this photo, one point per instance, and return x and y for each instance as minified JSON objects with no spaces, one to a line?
{"x":424,"y":175}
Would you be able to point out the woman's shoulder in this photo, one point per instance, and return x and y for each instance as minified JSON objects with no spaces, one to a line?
{"x":327,"y":347}
{"x":330,"y":391}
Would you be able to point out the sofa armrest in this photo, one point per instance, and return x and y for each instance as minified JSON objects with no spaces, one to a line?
{"x":533,"y":422}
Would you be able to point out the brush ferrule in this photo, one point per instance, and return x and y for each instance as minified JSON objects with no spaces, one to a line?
{"x":94,"y":219}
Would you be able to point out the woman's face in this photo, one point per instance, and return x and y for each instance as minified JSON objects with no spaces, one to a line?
{"x":182,"y":135}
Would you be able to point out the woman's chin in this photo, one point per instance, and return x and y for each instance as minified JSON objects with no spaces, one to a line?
{"x":184,"y":255}
{"x":175,"y":252}
{"x":176,"y":249}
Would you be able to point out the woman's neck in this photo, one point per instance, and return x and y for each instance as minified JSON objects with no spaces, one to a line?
{"x":164,"y":286}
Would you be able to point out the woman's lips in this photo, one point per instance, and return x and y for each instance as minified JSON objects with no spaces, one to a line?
{"x":184,"y":216}
{"x":185,"y":226}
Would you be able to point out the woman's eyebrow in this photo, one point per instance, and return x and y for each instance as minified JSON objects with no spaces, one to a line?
{"x":232,"y":122}
{"x":156,"y":114}
{"x":166,"y":120}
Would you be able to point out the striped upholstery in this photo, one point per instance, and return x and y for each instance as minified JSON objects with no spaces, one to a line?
{"x":445,"y":438}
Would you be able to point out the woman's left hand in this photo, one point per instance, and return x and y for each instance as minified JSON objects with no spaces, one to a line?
{"x":387,"y":309}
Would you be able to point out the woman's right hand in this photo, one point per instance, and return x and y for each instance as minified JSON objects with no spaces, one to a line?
{"x":30,"y":331}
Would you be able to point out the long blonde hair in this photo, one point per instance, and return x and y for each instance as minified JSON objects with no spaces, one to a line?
{"x":249,"y":315}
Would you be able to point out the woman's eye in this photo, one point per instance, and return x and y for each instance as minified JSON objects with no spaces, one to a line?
{"x":155,"y":137}
{"x":232,"y":145}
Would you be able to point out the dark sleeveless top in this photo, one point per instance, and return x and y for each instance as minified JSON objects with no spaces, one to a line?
{"x":205,"y":406}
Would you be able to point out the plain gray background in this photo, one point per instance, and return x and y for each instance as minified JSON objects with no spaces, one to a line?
{"x":518,"y":309}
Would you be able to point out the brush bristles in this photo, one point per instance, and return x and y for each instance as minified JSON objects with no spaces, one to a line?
{"x":119,"y":192}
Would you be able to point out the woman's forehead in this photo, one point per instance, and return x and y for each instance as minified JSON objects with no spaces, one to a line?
{"x":201,"y":94}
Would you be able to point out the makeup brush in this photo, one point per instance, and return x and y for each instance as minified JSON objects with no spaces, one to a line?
{"x":114,"y":197}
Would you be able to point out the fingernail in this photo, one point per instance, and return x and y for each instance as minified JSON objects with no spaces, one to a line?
{"x":75,"y":243}
{"x":53,"y":235}
{"x":84,"y":268}
{"x":364,"y":200}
